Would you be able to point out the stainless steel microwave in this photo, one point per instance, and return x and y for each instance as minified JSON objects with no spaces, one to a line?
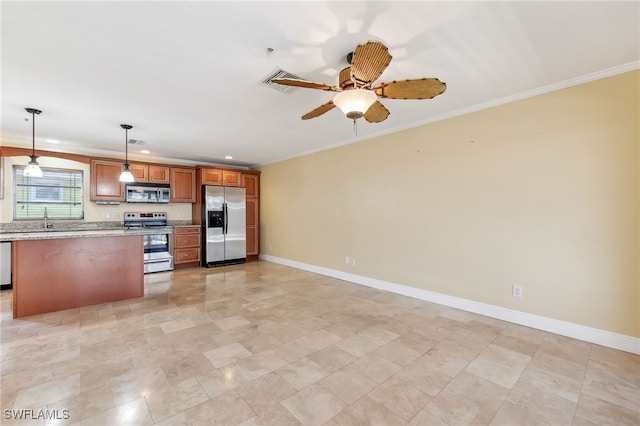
{"x":147,"y":193}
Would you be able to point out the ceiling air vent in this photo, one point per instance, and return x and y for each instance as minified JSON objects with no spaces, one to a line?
{"x":137,"y":142}
{"x":280,"y":73}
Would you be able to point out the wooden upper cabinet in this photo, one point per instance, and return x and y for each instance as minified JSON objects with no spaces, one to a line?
{"x":231,"y":178}
{"x":211,"y":176}
{"x":140,"y":172}
{"x":149,"y":173}
{"x":183,"y":185}
{"x":106,"y":185}
{"x":158,"y":174}
{"x":1,"y":175}
{"x":252,"y":184}
{"x":105,"y":181}
{"x":220,"y":177}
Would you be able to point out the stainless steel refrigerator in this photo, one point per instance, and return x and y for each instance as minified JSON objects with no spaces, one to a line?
{"x":224,"y":221}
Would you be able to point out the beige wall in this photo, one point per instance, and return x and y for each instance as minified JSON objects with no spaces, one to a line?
{"x":92,"y":211}
{"x":542,"y":192}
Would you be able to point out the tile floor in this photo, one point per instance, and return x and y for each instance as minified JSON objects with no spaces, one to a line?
{"x":263,"y":344}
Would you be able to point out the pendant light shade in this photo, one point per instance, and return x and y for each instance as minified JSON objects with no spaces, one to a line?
{"x":355,"y":103}
{"x":33,"y":168}
{"x":126,"y":175}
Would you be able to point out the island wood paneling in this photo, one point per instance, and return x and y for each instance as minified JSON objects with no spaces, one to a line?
{"x":56,"y":274}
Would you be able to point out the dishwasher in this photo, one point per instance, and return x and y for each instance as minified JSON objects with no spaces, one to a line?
{"x":5,"y":265}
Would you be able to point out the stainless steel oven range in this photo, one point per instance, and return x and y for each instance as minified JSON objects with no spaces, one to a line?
{"x":157,"y":245}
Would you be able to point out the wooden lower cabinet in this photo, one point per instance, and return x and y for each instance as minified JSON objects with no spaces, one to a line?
{"x":186,"y":246}
{"x":253,"y":241}
{"x":105,"y":269}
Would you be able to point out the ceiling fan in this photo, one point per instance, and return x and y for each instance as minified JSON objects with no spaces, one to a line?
{"x":357,"y":97}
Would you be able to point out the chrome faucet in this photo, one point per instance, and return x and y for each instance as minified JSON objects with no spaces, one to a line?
{"x":47,"y":225}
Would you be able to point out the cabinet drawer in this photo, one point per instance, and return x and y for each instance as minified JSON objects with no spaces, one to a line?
{"x":186,"y":255}
{"x":182,"y":230}
{"x":192,"y":240}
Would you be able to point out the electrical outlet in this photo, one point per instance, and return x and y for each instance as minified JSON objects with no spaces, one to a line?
{"x":353,"y":261}
{"x":516,"y":291}
{"x":347,"y":260}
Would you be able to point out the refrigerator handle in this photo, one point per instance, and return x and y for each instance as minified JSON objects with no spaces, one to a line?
{"x":226,"y":218}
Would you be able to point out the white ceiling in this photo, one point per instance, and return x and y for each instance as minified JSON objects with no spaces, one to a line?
{"x":185,"y":74}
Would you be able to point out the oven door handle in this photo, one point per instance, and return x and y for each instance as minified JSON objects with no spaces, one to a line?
{"x":166,"y":259}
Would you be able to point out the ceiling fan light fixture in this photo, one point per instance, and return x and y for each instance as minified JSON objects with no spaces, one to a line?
{"x":357,"y":93}
{"x":33,"y":168}
{"x":126,"y":175}
{"x":355,"y":103}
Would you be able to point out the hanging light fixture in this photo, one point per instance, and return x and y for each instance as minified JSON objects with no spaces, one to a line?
{"x":33,"y":169}
{"x":126,"y":175}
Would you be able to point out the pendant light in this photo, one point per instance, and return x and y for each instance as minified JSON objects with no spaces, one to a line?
{"x":126,"y":175}
{"x":33,"y":169}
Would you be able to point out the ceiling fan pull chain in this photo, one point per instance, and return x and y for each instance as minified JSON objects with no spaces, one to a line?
{"x":355,"y":127}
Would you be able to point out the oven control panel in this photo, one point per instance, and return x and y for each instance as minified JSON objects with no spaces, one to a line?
{"x":147,"y":216}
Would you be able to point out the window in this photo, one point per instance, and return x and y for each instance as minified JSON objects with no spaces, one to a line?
{"x":59,"y":191}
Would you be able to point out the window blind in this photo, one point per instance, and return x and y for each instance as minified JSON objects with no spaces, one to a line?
{"x":58,"y":190}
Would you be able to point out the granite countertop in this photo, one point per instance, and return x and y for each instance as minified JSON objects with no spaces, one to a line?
{"x":34,"y":229}
{"x":78,"y":233}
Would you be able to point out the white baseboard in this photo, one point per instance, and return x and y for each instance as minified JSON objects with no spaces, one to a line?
{"x":563,"y":328}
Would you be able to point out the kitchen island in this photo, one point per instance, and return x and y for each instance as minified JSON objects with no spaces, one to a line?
{"x":53,"y":271}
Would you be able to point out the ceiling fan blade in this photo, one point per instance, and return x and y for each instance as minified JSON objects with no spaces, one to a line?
{"x":368,"y":62}
{"x":319,"y":111}
{"x":376,"y":113}
{"x":420,"y":88}
{"x":305,"y":83}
